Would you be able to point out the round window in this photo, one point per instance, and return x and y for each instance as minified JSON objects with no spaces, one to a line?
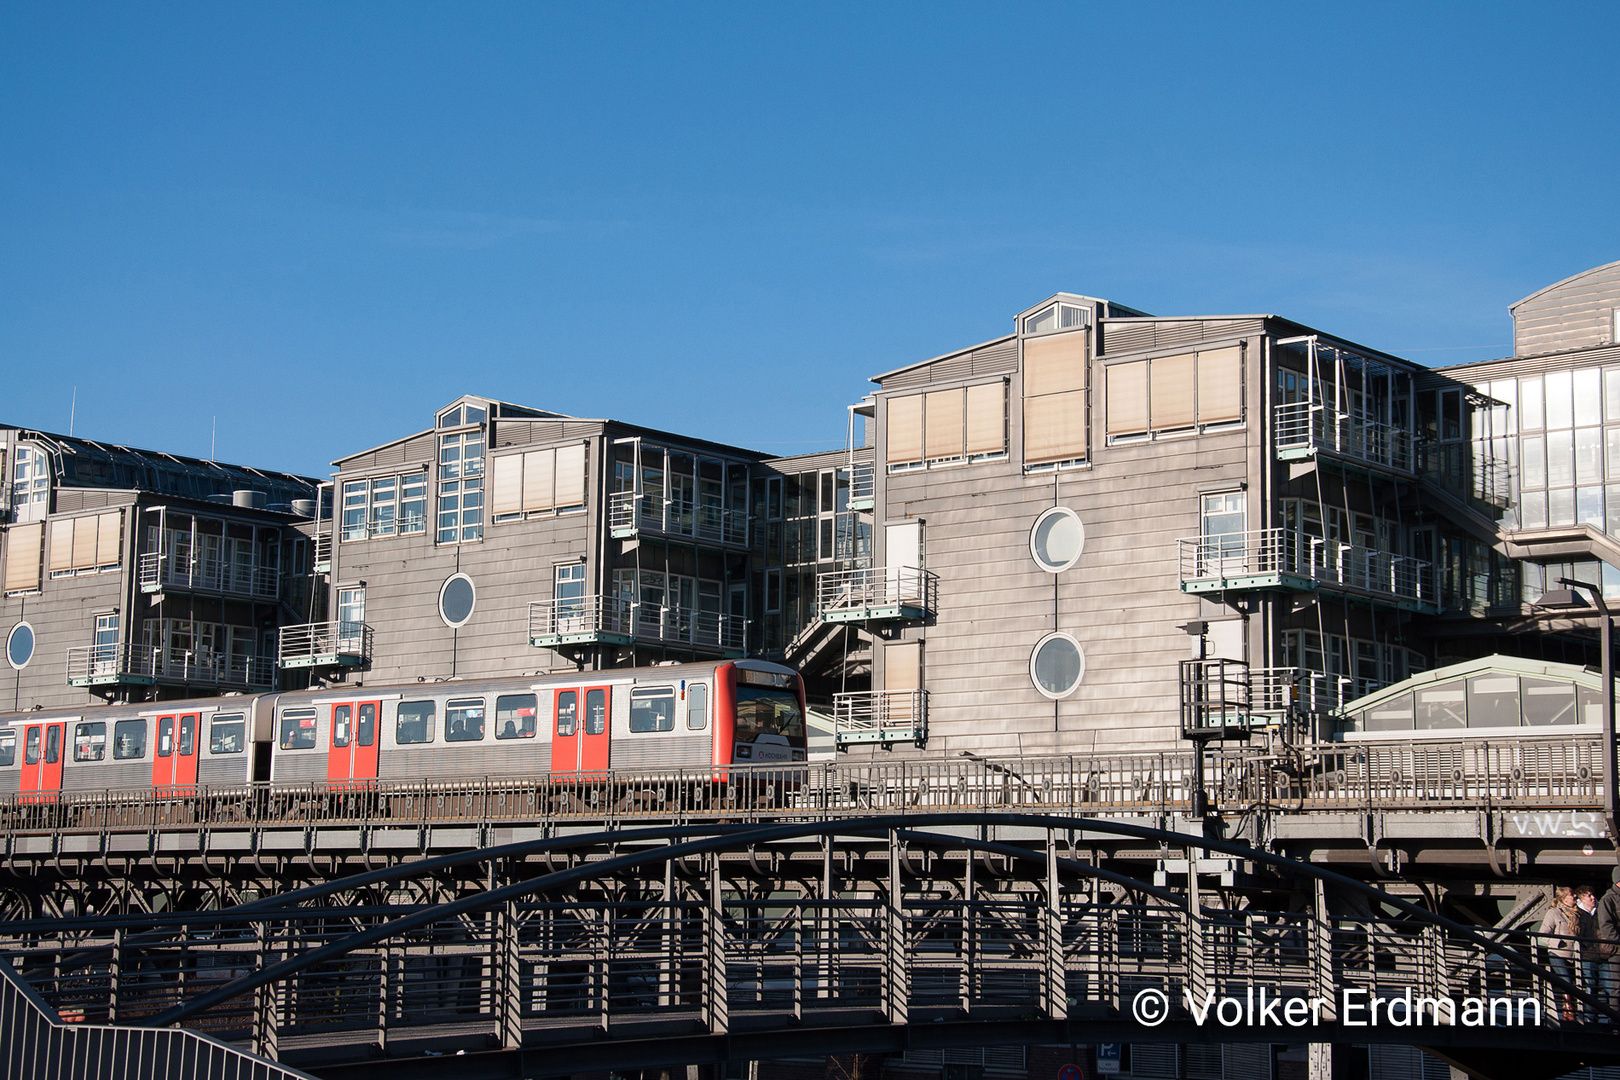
{"x":1057,"y":665}
{"x":20,"y":646}
{"x":456,"y":599}
{"x":1057,"y":539}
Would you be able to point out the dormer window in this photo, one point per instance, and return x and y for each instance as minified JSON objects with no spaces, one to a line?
{"x":1055,"y":317}
{"x":461,"y":415}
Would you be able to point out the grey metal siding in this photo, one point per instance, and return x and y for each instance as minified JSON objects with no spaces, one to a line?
{"x":1572,"y":314}
{"x":994,"y":358}
{"x":1140,"y":335}
{"x":664,"y":749}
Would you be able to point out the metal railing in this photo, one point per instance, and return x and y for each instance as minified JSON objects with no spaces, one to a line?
{"x":1226,"y":694}
{"x":631,"y":512}
{"x":324,"y":643}
{"x":589,"y":617}
{"x":159,"y":570}
{"x":217,"y":669}
{"x":1468,"y":471}
{"x":1307,"y":425}
{"x":323,"y":551}
{"x":578,"y":616}
{"x":903,"y":590}
{"x":880,"y":716}
{"x":862,"y":486}
{"x":1291,"y":552}
{"x":89,"y":664}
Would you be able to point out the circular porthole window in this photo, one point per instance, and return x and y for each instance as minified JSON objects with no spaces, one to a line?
{"x":456,"y":599}
{"x":1057,"y":539}
{"x":20,"y":646}
{"x":1057,"y":665}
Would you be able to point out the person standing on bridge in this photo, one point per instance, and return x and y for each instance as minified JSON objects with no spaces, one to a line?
{"x":1591,"y":949}
{"x":1559,"y":930}
{"x":1608,"y":926}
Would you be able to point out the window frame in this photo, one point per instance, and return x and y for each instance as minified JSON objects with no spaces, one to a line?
{"x":120,"y":727}
{"x":426,"y":712}
{"x":299,"y":715}
{"x":219,"y":720}
{"x":454,"y":708}
{"x":661,"y":721}
{"x":80,"y":734}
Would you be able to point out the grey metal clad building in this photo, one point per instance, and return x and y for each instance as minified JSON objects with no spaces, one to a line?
{"x":136,"y":574}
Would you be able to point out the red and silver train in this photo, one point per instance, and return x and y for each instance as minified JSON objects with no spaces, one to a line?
{"x":686,"y":716}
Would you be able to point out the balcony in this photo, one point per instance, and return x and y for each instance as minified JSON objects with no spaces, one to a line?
{"x":1468,"y":472}
{"x":880,"y":716}
{"x":1306,"y":430}
{"x":862,"y":492}
{"x":325,"y":644}
{"x":112,"y":665}
{"x":633,"y":513}
{"x":618,"y":621}
{"x":160,"y":571}
{"x":877,"y":593}
{"x":323,"y":553}
{"x":1290,"y":559}
{"x":1227,"y":699}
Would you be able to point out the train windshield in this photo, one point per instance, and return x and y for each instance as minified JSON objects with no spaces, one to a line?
{"x":768,"y":711}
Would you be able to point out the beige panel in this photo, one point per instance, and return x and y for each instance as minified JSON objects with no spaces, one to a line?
{"x":1127,"y":398}
{"x":61,"y":544}
{"x":84,"y":542}
{"x":571,"y":475}
{"x":986,"y":418}
{"x":108,"y":535}
{"x":1220,"y":385}
{"x":1055,"y":427}
{"x":24,"y":544}
{"x":539,"y":476}
{"x":1170,"y":391}
{"x":905,"y":435}
{"x":943,"y":423}
{"x":506,"y":484}
{"x":1055,"y":364}
{"x":902,"y":666}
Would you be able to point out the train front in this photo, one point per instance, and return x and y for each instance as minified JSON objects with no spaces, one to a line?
{"x":765,"y":714}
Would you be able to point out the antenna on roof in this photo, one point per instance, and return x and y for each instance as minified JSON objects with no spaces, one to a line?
{"x":73,"y":409}
{"x":213,"y":435}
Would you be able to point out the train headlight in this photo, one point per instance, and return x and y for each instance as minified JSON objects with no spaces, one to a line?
{"x":798,"y":755}
{"x":744,"y":752}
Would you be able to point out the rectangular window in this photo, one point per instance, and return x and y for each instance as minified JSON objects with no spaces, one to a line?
{"x":227,"y":734}
{"x":773,"y":591}
{"x":567,"y":712}
{"x":595,"y":712}
{"x":1055,"y":398}
{"x":351,"y":606}
{"x":1128,"y":399}
{"x":90,"y":741}
{"x":904,"y":443}
{"x":697,"y":707}
{"x":1220,"y":385}
{"x":986,"y":420}
{"x":413,"y":504}
{"x":413,"y":722}
{"x":1171,"y":388}
{"x":298,"y":729}
{"x":464,"y":720}
{"x":384,"y":505}
{"x":461,"y":488}
{"x":8,"y":749}
{"x":129,"y":740}
{"x":538,"y":482}
{"x":1560,"y":400}
{"x":24,"y":549}
{"x":1588,"y":397}
{"x":944,"y":425}
{"x":354,"y":510}
{"x":515,"y":716}
{"x":1176,"y":393}
{"x":652,"y":710}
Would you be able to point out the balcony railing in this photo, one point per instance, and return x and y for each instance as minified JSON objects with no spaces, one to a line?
{"x":586,"y":619}
{"x":1467,"y":471}
{"x":862,"y":488}
{"x":880,"y":716}
{"x":158,"y":571}
{"x":214,"y":669}
{"x":324,"y":644}
{"x":1230,"y":697}
{"x":1305,"y":428}
{"x":1290,"y":558}
{"x":105,"y":665}
{"x":631,"y":512}
{"x":879,"y":592}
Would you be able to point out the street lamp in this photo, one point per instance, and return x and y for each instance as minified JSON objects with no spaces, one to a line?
{"x":1566,"y":598}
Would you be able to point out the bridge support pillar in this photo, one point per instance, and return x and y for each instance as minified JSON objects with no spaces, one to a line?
{"x":897,"y":956}
{"x":716,"y":1007}
{"x":267,"y":1001}
{"x":509,"y":978}
{"x":1056,"y":985}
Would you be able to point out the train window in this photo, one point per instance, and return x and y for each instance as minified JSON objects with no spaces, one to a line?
{"x":8,"y":748}
{"x":464,"y":720}
{"x":31,"y":747}
{"x":567,"y":712}
{"x":165,"y":745}
{"x":514,"y":716}
{"x":298,"y":729}
{"x":763,"y":710}
{"x":697,"y":707}
{"x":652,"y":710}
{"x":188,"y":735}
{"x":227,"y":734}
{"x":413,"y":722}
{"x":595,"y":712}
{"x":53,"y":744}
{"x":129,"y":740}
{"x":90,"y":741}
{"x":340,"y":724}
{"x":365,"y":729}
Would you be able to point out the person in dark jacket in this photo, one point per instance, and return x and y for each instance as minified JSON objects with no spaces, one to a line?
{"x":1608,"y":928}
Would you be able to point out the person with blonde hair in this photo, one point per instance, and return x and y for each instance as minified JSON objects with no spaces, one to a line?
{"x":1560,"y":929}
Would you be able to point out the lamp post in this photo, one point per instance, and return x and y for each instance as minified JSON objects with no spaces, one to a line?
{"x":1565,"y":598}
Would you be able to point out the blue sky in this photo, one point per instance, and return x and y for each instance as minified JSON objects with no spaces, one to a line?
{"x":317,"y":223}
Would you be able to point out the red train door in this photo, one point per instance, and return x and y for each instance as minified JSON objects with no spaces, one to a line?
{"x":44,"y":746}
{"x":593,"y":730}
{"x":565,"y":735}
{"x":175,"y":762}
{"x":352,"y":741}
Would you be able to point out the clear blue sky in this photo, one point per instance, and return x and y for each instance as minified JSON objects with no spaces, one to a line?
{"x":319,"y":222}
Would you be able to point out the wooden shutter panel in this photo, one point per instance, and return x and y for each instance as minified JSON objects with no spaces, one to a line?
{"x":986,"y":418}
{"x":942,"y":424}
{"x":902,"y":672}
{"x":1055,"y":364}
{"x":905,"y":434}
{"x":1127,"y":398}
{"x":539,"y":479}
{"x":571,"y":475}
{"x":1055,"y":427}
{"x":506,"y":482}
{"x":84,"y":543}
{"x":1220,"y":385}
{"x":24,"y":544}
{"x":61,"y":544}
{"x":109,"y":529}
{"x":1170,"y":391}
